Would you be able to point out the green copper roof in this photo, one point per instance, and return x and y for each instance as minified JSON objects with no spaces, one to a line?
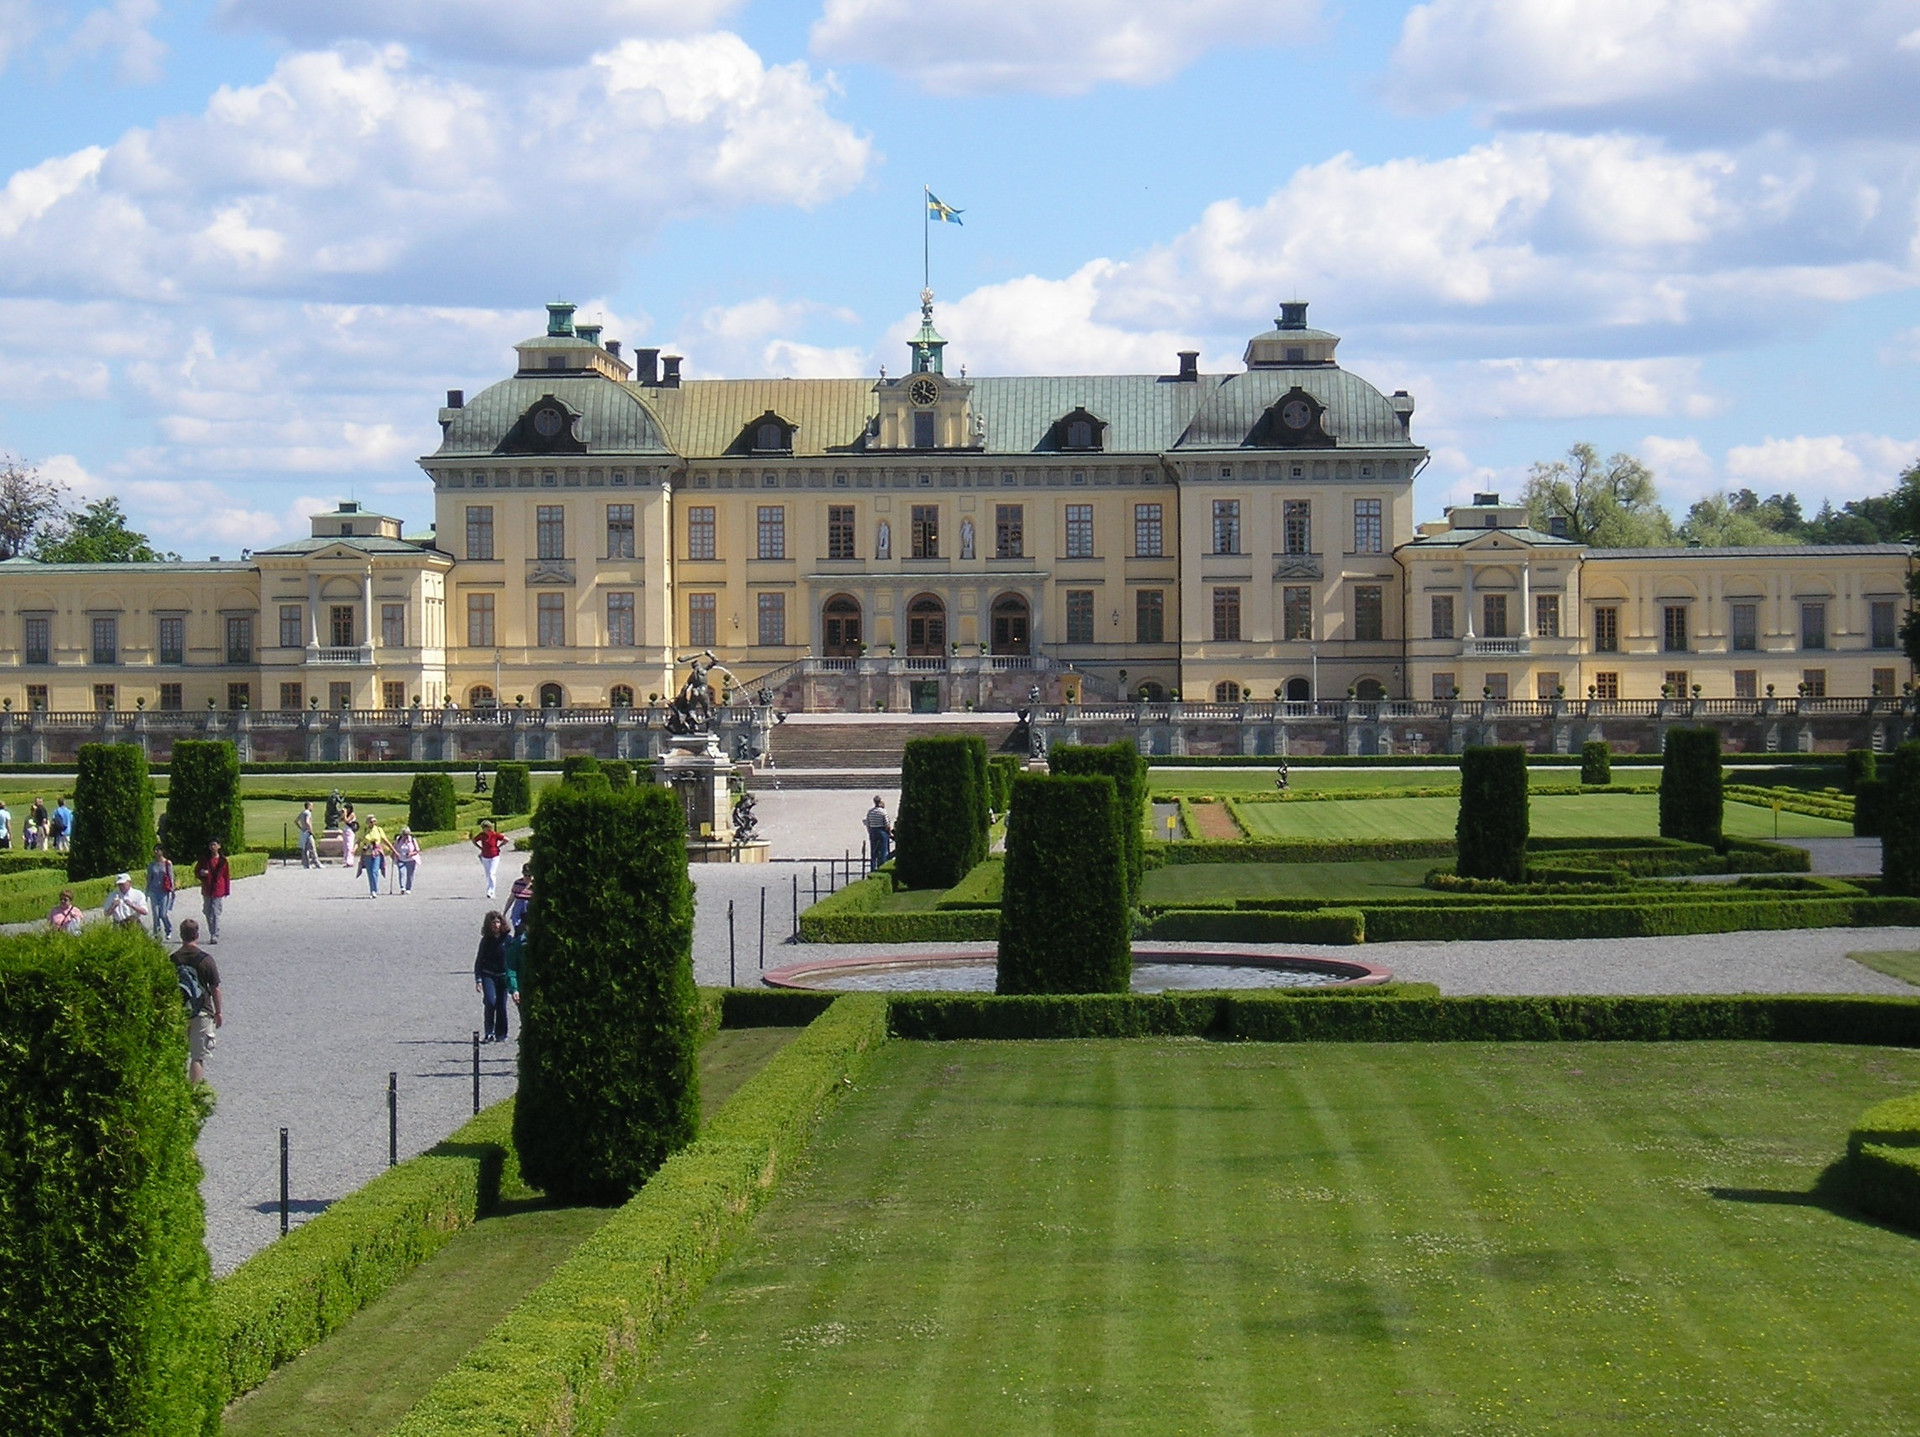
{"x":705,"y":418}
{"x":613,"y":420}
{"x":1357,"y":415}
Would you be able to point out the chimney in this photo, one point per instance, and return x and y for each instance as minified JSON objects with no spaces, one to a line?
{"x":1189,"y":366}
{"x":646,"y":366}
{"x":559,"y":320}
{"x":1485,"y":500}
{"x":456,"y":399}
{"x":588,"y":332}
{"x":612,"y":346}
{"x":669,"y":371}
{"x":1293,"y":315}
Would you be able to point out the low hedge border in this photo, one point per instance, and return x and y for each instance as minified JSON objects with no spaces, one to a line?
{"x":1452,"y":760}
{"x":1294,"y":850}
{"x":1405,"y":1016}
{"x":1834,"y":805}
{"x":1318,"y":925}
{"x":850,"y":916}
{"x":981,"y":888}
{"x":565,"y":1358}
{"x":1881,"y":1172}
{"x":29,"y":893}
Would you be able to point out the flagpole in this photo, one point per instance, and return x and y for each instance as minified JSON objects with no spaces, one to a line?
{"x":926,"y":240}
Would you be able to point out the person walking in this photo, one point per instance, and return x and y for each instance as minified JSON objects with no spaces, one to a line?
{"x":879,"y":832}
{"x":216,"y":882}
{"x":6,"y":826}
{"x":124,"y":907}
{"x":490,"y":975}
{"x":66,"y":916}
{"x":406,"y":858}
{"x":60,"y":827}
{"x":349,"y":833}
{"x":490,"y":841}
{"x":38,"y":815}
{"x":518,"y":897}
{"x":205,"y":1013}
{"x":160,"y":893}
{"x":309,"y":853}
{"x":374,"y":849}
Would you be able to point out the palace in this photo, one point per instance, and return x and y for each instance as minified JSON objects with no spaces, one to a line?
{"x":937,"y":541}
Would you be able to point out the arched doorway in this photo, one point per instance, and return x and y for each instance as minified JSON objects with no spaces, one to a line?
{"x":1370,"y":691}
{"x":840,"y":627}
{"x":1299,"y":691}
{"x":926,"y":626}
{"x":1012,"y":625}
{"x":480,"y":696}
{"x":552,"y":696}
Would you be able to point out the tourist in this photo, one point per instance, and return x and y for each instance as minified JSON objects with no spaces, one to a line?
{"x":38,"y":814}
{"x":490,"y":975}
{"x":66,"y":916}
{"x":35,"y":834}
{"x":349,"y":831}
{"x":60,"y":827}
{"x":216,"y":882}
{"x":406,"y":858}
{"x":160,"y":893}
{"x":879,"y":832}
{"x":309,"y":853}
{"x":6,"y":826}
{"x":489,"y":840}
{"x":374,"y":849}
{"x":124,"y":907}
{"x":519,"y":897}
{"x":204,"y":1014}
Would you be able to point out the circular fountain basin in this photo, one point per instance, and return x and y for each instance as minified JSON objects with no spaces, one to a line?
{"x":1154,"y":971}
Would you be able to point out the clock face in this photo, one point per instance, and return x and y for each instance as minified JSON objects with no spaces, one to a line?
{"x":1296,"y":414}
{"x":548,"y":422}
{"x":923,"y":392}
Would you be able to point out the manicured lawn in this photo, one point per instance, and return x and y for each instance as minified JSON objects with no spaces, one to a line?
{"x":1326,"y":780}
{"x":1213,"y":882}
{"x":1596,"y":815}
{"x":1904,"y":965}
{"x":365,"y":1377}
{"x":1160,"y":1237}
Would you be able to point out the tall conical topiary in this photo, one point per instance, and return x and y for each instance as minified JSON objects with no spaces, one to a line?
{"x":512,"y":789}
{"x":1691,"y":800}
{"x":1122,"y":763}
{"x":203,"y":799}
{"x":942,"y":826}
{"x":1900,"y":823}
{"x":1493,"y":823}
{"x":1063,"y":907}
{"x":431,"y":804}
{"x":113,"y":804}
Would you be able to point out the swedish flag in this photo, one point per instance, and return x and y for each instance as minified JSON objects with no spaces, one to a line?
{"x":939,"y":209}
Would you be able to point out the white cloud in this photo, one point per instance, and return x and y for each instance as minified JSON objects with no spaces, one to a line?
{"x":353,"y":173}
{"x":1681,"y":467}
{"x":500,"y":32}
{"x":1574,"y":389}
{"x":760,"y":337}
{"x":19,"y":23}
{"x":1044,"y":326}
{"x":1842,"y":466}
{"x":1054,"y":47}
{"x":122,"y":31}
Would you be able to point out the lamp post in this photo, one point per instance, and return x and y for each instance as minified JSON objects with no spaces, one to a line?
{"x":1316,"y":673}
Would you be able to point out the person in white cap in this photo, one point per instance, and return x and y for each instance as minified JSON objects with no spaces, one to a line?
{"x":126,"y":905}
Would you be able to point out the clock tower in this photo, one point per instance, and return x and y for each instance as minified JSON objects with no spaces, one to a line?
{"x":923,"y":408}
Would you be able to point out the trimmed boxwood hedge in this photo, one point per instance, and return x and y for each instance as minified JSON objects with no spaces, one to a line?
{"x":1122,"y":763}
{"x":1319,"y":925}
{"x":431,"y":804}
{"x":113,"y":796}
{"x":609,"y":1085}
{"x":104,"y":1307}
{"x":1869,"y":808}
{"x":619,"y":773}
{"x":1863,"y":766}
{"x":1881,"y":1172}
{"x":203,"y":800}
{"x":1691,"y":802}
{"x":1063,"y":906}
{"x":1491,"y":832}
{"x":1596,"y":762}
{"x":1295,"y":850}
{"x":1002,"y":769}
{"x":942,"y":828}
{"x":512,"y":789}
{"x":1900,"y":823}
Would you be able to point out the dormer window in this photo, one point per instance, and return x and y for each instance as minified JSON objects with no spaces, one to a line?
{"x":770,"y":436}
{"x":1080,"y":435}
{"x":1079,"y":430}
{"x":346,"y":530}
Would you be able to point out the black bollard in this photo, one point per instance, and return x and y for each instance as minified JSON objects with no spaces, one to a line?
{"x":730,"y":977}
{"x":284,"y":1204}
{"x":393,"y":1120}
{"x":816,"y":882}
{"x":476,"y":1070}
{"x":796,"y":907}
{"x":763,"y":928}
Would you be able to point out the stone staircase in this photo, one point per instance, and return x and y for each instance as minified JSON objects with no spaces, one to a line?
{"x":856,"y":751}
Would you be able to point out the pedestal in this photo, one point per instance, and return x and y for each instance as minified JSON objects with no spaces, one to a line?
{"x":698,"y":772}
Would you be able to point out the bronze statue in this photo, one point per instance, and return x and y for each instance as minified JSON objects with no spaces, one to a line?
{"x":692,"y":708}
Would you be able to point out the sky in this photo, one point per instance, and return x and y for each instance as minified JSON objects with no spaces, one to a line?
{"x":247,"y":245}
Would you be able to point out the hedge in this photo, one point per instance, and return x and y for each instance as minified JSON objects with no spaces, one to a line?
{"x":1596,"y":762}
{"x":609,"y":1083}
{"x":1900,"y":823}
{"x":1445,"y":922}
{"x":512,"y":789}
{"x":1869,"y":808}
{"x":1319,"y":925}
{"x":851,"y":916}
{"x":431,"y":804}
{"x":289,"y":1296}
{"x":1492,"y":827}
{"x":1296,"y":850}
{"x":564,"y":1360}
{"x":1122,"y":763}
{"x":1881,"y":1172}
{"x":113,"y":797}
{"x":1863,"y":766}
{"x":1691,"y":803}
{"x":982,"y":888}
{"x":942,"y":828}
{"x":619,"y":773}
{"x":1063,"y":906}
{"x":584,"y":771}
{"x":104,"y":1308}
{"x":1002,"y":768}
{"x":203,"y":800}
{"x":1827,"y":804}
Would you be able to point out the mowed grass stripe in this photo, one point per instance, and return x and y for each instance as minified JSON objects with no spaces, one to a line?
{"x":1594,"y":815}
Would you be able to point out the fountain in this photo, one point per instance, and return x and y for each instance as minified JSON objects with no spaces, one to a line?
{"x":702,"y":776}
{"x":1154,"y":971}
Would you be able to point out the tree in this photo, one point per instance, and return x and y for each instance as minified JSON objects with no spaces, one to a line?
{"x":27,"y":503}
{"x":98,"y":534}
{"x":1742,"y":519}
{"x":1608,"y":506}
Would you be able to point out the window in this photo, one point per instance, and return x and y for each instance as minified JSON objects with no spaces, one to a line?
{"x":393,"y":626}
{"x":290,"y":626}
{"x":340,"y":625}
{"x":1674,"y":633}
{"x":842,"y":616}
{"x":481,"y":696}
{"x":1149,"y":533}
{"x":840,"y":531}
{"x":1226,"y":615}
{"x":1444,"y":687}
{"x":1009,"y":531}
{"x":37,"y":695}
{"x":1674,"y":683}
{"x":1442,"y":625}
{"x":1546,"y":686}
{"x":170,"y":700}
{"x":1883,"y":683}
{"x":703,"y":621}
{"x":1813,"y":683}
{"x":1496,"y":687}
{"x":772,"y":531}
{"x":1813,"y":626}
{"x":1606,"y":686}
{"x":1366,"y":526}
{"x":1746,"y":683}
{"x":1079,"y":435}
{"x":1369,"y":620}
{"x":700,"y":532}
{"x":239,"y":638}
{"x":1296,"y":526}
{"x":1079,"y":616}
{"x":620,"y":696}
{"x":923,"y":429}
{"x":550,"y":615}
{"x":1493,"y":616}
{"x":479,"y":531}
{"x":480,"y":621}
{"x":1079,"y":531}
{"x":1546,"y":615}
{"x":393,"y":694}
{"x":106,"y":640}
{"x":293,"y":697}
{"x":1226,"y":526}
{"x":772,"y":610}
{"x":171,"y":634}
{"x":239,"y":696}
{"x":37,"y":639}
{"x":550,"y":531}
{"x":1149,"y":616}
{"x":1743,"y":627}
{"x":926,"y":531}
{"x":1606,"y":630}
{"x":620,"y":621}
{"x":102,"y":697}
{"x":770,"y":436}
{"x":1226,"y":692}
{"x":1882,"y":631}
{"x":1296,"y":612}
{"x":619,"y":531}
{"x":340,"y":696}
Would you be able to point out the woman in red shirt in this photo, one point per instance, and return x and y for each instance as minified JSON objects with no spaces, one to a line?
{"x":489,"y":840}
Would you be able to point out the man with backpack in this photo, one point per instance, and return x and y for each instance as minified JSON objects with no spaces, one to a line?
{"x":200,"y":991}
{"x":60,"y":827}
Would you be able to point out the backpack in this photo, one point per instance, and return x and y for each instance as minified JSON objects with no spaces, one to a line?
{"x":191,"y":993}
{"x":57,"y":825}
